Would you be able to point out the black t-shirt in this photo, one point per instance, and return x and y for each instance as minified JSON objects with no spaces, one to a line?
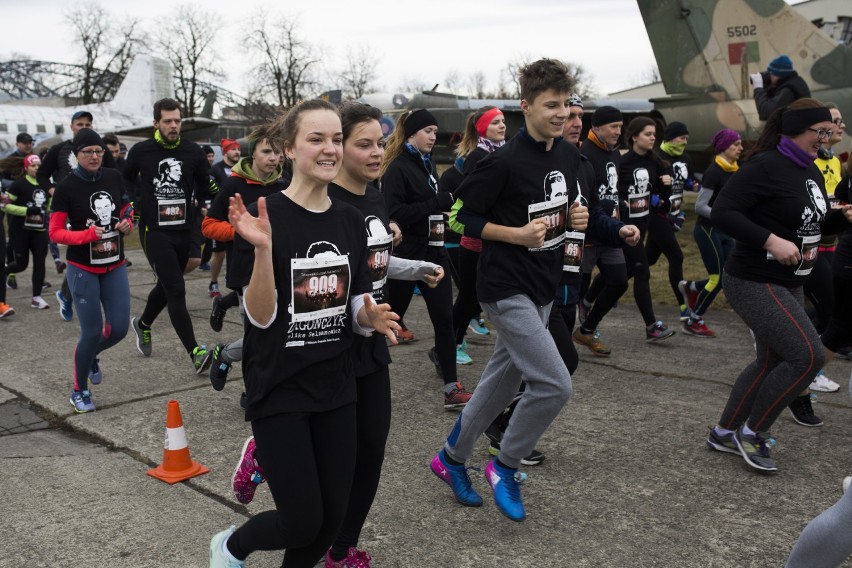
{"x":681,"y":171}
{"x":29,"y":195}
{"x":520,"y":182}
{"x":449,"y":182}
{"x":169,"y":180}
{"x":302,"y":361}
{"x":771,"y":194}
{"x":371,"y":353}
{"x":605,"y":164}
{"x":90,"y":203}
{"x":639,"y":179}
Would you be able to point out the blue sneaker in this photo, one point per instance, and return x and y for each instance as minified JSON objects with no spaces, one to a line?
{"x":218,"y":558}
{"x":96,"y":375}
{"x":456,"y":477}
{"x":416,"y":291}
{"x":462,"y":358}
{"x":506,"y":484}
{"x":477,"y":326}
{"x":82,"y":401}
{"x":66,"y":307}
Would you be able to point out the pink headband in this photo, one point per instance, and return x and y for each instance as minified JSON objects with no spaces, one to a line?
{"x":31,"y":159}
{"x":485,"y":120}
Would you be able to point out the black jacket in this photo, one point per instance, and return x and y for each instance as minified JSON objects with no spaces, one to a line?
{"x":788,"y":90}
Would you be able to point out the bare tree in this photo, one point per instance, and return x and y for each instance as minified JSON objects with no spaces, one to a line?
{"x":476,"y":85}
{"x":108,"y":44}
{"x":509,"y":86}
{"x":412,"y":85}
{"x":452,"y":82}
{"x":583,"y":84}
{"x":187,"y":40}
{"x":286,"y":71}
{"x":357,"y":78}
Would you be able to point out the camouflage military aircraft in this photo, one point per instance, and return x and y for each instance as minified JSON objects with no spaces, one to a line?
{"x":706,"y":50}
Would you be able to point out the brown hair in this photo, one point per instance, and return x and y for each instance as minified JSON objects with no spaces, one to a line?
{"x":353,"y":113}
{"x":539,"y":76}
{"x":283,"y":129}
{"x":165,"y":104}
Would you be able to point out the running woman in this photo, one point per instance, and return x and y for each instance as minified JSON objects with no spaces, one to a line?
{"x":92,"y":202}
{"x":308,"y":292}
{"x":257,"y":175}
{"x":643,"y":186}
{"x":28,"y":220}
{"x":776,"y":209}
{"x":484,"y":132}
{"x":414,"y":202}
{"x":713,"y":244}
{"x":171,"y":172}
{"x":516,"y":201}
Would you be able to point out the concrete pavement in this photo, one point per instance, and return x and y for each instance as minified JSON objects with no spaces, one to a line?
{"x":627,"y":480}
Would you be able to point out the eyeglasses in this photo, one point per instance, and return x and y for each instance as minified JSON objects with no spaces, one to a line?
{"x":822,"y":133}
{"x":838,"y":121}
{"x":90,"y":153}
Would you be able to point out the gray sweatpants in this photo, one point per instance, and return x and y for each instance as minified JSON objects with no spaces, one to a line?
{"x":524,"y":351}
{"x":826,"y":542}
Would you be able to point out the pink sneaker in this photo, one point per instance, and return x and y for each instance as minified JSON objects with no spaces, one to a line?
{"x":354,"y":559}
{"x":248,"y":474}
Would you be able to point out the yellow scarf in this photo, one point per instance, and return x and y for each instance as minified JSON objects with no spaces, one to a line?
{"x":727,"y":167}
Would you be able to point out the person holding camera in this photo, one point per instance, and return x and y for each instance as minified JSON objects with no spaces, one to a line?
{"x":777,"y":87}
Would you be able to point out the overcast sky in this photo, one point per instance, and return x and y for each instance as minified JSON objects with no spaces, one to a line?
{"x":421,"y":41}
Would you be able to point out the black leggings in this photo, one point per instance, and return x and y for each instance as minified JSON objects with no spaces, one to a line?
{"x":789,"y":353}
{"x":608,"y":286}
{"x":819,"y":290}
{"x":662,"y":240}
{"x":2,"y":262}
{"x":168,"y":253}
{"x":839,"y":332}
{"x":26,"y":242}
{"x":308,"y":460}
{"x":466,"y":306}
{"x":439,"y":304}
{"x":636,"y":261}
{"x":374,"y":418}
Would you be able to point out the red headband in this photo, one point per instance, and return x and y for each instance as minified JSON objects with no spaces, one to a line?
{"x":485,"y":120}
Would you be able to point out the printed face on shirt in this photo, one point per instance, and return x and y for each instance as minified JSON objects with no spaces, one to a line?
{"x":317,"y":148}
{"x":363,"y":152}
{"x":819,"y":205}
{"x":39,"y":197}
{"x":640,"y":180}
{"x":680,"y":171}
{"x":554,"y":186}
{"x":103,"y":207}
{"x":169,"y":125}
{"x":169,"y":172}
{"x":611,"y":176}
{"x":545,"y":115}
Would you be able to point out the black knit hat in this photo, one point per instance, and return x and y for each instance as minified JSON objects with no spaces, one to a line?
{"x":673,"y":130}
{"x":418,"y":120}
{"x":84,"y":138}
{"x":606,"y":115}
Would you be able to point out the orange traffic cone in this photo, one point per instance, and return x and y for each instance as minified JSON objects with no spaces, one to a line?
{"x":177,"y":465}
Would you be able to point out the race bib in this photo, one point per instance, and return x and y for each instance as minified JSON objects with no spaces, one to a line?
{"x":379,"y":249}
{"x":638,"y":204}
{"x":105,"y":250}
{"x":675,"y":202}
{"x":436,"y":230}
{"x":34,"y":221}
{"x":171,"y":211}
{"x":320,"y":287}
{"x":809,"y":249}
{"x":555,"y":214}
{"x":573,"y":257}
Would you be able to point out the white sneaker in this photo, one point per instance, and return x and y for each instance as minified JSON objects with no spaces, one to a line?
{"x":40,"y":304}
{"x":824,"y":384}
